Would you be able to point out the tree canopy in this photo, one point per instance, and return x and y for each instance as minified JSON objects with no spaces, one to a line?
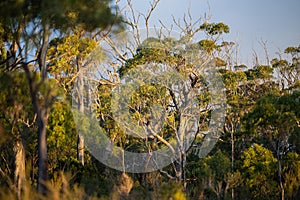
{"x":225,"y":130}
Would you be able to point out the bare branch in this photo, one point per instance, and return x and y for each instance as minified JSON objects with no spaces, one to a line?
{"x":167,"y":174}
{"x":264,"y":46}
{"x":27,"y":122}
{"x":161,"y":139}
{"x":114,"y":47}
{"x":147,"y":17}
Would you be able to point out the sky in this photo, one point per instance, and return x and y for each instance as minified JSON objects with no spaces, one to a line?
{"x":276,"y":22}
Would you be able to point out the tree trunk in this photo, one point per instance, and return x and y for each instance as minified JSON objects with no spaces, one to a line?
{"x":42,"y":153}
{"x":219,"y":190}
{"x":123,"y":187}
{"x":232,"y":162}
{"x":279,"y":172}
{"x":80,"y":139}
{"x":19,"y":175}
{"x":184,"y":171}
{"x":280,"y":180}
{"x":41,"y":109}
{"x":80,"y":148}
{"x":201,"y":194}
{"x":42,"y":118}
{"x":178,"y":168}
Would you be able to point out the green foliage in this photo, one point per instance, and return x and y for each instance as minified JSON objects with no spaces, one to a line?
{"x":260,"y":72}
{"x":211,"y":174}
{"x":258,"y":110}
{"x":233,"y":79}
{"x":60,"y":14}
{"x":171,"y":191}
{"x":277,"y":113}
{"x":259,"y":172}
{"x":219,"y":163}
{"x":14,"y":96}
{"x":215,"y":28}
{"x":3,"y":38}
{"x":148,"y":55}
{"x":208,"y":45}
{"x":16,"y":122}
{"x":292,"y":50}
{"x":291,"y":170}
{"x":62,"y":136}
{"x":280,"y":63}
{"x":67,"y":55}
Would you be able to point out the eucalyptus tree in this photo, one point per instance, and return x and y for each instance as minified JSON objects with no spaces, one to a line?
{"x":157,"y":112}
{"x":18,"y":120}
{"x":259,"y":173}
{"x":31,"y":25}
{"x":275,"y":119}
{"x":65,"y":60}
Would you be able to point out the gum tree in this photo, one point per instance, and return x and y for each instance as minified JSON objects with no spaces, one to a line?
{"x":159,"y":50}
{"x":275,"y":119}
{"x":31,"y":24}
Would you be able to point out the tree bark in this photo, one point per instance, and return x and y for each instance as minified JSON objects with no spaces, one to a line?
{"x":278,"y":155}
{"x":42,"y":118}
{"x":80,"y":148}
{"x":184,"y":170}
{"x":42,"y":153}
{"x":80,"y":139}
{"x":41,"y":109}
{"x":201,"y":194}
{"x":19,"y":175}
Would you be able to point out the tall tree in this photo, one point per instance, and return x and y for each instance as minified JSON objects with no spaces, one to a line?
{"x":17,"y":117}
{"x":259,"y":172}
{"x":66,"y":60}
{"x":31,"y":24}
{"x":275,"y":119}
{"x":176,"y":104}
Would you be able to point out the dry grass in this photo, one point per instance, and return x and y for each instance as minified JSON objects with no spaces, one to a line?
{"x":58,"y":190}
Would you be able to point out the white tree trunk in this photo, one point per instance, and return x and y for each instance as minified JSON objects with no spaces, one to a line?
{"x":19,"y":175}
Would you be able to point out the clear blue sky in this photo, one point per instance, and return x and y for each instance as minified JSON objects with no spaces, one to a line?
{"x":274,"y":21}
